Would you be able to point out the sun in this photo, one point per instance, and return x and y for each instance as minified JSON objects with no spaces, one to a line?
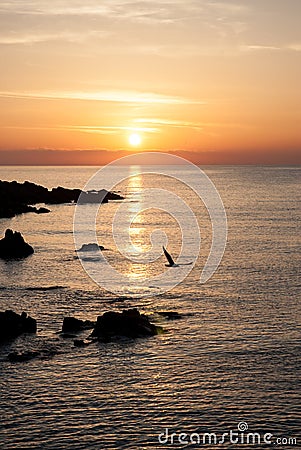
{"x":134,"y":139}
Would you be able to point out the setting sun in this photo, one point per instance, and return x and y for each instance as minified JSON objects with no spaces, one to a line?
{"x":135,"y":139}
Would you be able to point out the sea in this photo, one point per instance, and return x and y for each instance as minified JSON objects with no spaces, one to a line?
{"x":224,"y":374}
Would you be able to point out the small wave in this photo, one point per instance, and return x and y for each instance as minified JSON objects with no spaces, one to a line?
{"x":44,"y":288}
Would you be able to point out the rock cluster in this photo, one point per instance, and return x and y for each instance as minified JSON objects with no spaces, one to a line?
{"x":19,"y":198}
{"x":129,"y":323}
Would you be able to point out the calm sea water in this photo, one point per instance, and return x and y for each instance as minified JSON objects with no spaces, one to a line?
{"x":233,"y":357}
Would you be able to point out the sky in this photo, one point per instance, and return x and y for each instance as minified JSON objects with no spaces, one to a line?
{"x":214,"y":81}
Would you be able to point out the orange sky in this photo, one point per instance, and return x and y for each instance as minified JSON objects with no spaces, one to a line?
{"x":215,"y":81}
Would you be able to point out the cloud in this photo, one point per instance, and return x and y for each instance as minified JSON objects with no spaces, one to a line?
{"x":87,"y":129}
{"x":258,"y":47}
{"x":207,"y":25}
{"x":104,"y":96}
{"x":171,"y":123}
{"x":261,"y":47}
{"x":38,"y":37}
{"x":201,"y":126}
{"x":295,"y":47}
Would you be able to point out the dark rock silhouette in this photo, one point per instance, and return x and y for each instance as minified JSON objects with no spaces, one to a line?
{"x":18,"y":198}
{"x":73,"y":325}
{"x":13,"y":324}
{"x":170,"y":315}
{"x":13,"y":246}
{"x":22,"y":357}
{"x":81,"y":343}
{"x":42,"y":210}
{"x":129,"y":323}
{"x":90,"y":247}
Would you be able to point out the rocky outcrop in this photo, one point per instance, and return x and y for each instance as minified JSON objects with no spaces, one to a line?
{"x":18,"y":198}
{"x":129,"y":323}
{"x":73,"y":325}
{"x":13,"y":246}
{"x":13,"y":324}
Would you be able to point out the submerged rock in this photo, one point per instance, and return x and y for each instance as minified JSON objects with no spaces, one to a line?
{"x":81,"y":343}
{"x":13,"y":246}
{"x":170,"y":315}
{"x":129,"y":323}
{"x":73,"y":325}
{"x":13,"y":324}
{"x":90,"y":247}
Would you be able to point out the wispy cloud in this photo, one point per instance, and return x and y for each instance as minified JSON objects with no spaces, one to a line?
{"x":87,"y":129}
{"x":55,"y":7}
{"x":156,"y":11}
{"x":171,"y":123}
{"x":110,"y":129}
{"x":262,"y":47}
{"x":250,"y":48}
{"x":14,"y":38}
{"x":204,"y":127}
{"x":105,"y":96}
{"x":296,"y":47}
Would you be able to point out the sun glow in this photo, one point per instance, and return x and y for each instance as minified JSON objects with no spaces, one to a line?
{"x":134,"y":139}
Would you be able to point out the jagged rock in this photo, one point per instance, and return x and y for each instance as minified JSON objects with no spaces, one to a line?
{"x":129,"y":323}
{"x":73,"y":325}
{"x":13,"y":324}
{"x":92,"y":247}
{"x":13,"y":246}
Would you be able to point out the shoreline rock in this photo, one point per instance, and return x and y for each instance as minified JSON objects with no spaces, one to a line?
{"x":13,"y":246}
{"x":18,"y":198}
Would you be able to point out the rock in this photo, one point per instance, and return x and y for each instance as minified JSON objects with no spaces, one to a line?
{"x":18,"y":198}
{"x":101,"y":196}
{"x":90,"y":247}
{"x":13,"y":246}
{"x":22,"y":357}
{"x":13,"y":324}
{"x":170,"y":315}
{"x":81,"y":343}
{"x":129,"y":323}
{"x":60,"y":195}
{"x":73,"y":325}
{"x":42,"y":210}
